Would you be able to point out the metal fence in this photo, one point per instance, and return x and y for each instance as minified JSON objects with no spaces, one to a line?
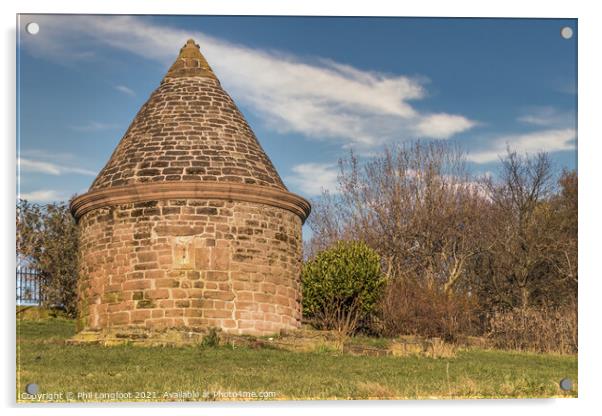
{"x":29,"y":287}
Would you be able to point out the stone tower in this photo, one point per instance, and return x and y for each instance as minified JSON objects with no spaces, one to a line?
{"x":189,"y":226}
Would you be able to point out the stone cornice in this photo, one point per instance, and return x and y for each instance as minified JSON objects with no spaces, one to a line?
{"x":190,"y":190}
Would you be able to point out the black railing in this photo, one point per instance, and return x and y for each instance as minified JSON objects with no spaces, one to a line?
{"x":29,"y":287}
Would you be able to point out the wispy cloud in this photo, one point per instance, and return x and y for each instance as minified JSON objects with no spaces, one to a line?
{"x":43,"y":154}
{"x":125,"y":90}
{"x":45,"y":195}
{"x":39,"y":166}
{"x":556,"y":132}
{"x":545,"y":140}
{"x":548,"y":116}
{"x":313,"y":178}
{"x":318,"y":98}
{"x":442,"y":126}
{"x":93,"y":126}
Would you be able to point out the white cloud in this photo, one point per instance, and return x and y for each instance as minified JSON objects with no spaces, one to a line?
{"x":554,"y":140}
{"x":318,"y":98}
{"x":46,"y":195}
{"x":442,"y":126}
{"x":313,"y":178}
{"x":29,"y":165}
{"x":125,"y":90}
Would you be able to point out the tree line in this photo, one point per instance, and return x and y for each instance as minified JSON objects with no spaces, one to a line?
{"x":463,"y":254}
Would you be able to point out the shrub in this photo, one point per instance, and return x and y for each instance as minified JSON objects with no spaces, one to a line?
{"x":541,"y":329}
{"x":341,"y":286}
{"x":409,"y":308}
{"x":47,"y":240}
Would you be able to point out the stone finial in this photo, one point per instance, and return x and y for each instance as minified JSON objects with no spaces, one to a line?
{"x":190,"y":63}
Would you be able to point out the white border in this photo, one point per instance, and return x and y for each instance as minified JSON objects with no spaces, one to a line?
{"x":589,"y":35}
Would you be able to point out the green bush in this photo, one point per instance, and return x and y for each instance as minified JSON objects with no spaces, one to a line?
{"x":341,"y":286}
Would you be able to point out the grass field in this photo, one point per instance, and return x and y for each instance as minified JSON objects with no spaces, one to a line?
{"x":131,"y":373}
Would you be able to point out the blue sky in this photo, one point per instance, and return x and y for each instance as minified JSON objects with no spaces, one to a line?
{"x":311,"y":88}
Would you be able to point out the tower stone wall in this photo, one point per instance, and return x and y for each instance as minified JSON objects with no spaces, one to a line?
{"x":189,"y":226}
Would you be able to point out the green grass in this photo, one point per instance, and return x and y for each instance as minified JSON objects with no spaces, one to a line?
{"x":44,"y":359}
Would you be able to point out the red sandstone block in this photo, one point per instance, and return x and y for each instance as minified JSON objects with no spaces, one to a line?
{"x":112,"y":288}
{"x":179,"y":294}
{"x":245,"y":324}
{"x":197,"y":322}
{"x":172,"y":313}
{"x":242,"y":286}
{"x":115,"y":307}
{"x":140,"y":315}
{"x":146,"y":257}
{"x":262,"y":298}
{"x":202,"y":258}
{"x":166,"y":304}
{"x":136,"y":284}
{"x":265,"y":326}
{"x":156,"y":294}
{"x":268,"y":288}
{"x":165,"y":260}
{"x":193,"y":312}
{"x":176,"y":274}
{"x":228,"y":323}
{"x":246,"y":306}
{"x":213,"y":313}
{"x":193,"y":275}
{"x":102,"y":321}
{"x":272,"y":317}
{"x":195,"y":293}
{"x":284,"y":310}
{"x":154,"y":274}
{"x":119,"y":278}
{"x":281,"y":300}
{"x":119,"y":318}
{"x":168,"y":283}
{"x":157,"y":313}
{"x":241,"y":277}
{"x":146,"y":266}
{"x":221,"y":258}
{"x":217,"y":294}
{"x":217,"y":276}
{"x":265,"y":307}
{"x":244,"y":296}
{"x":257,"y":277}
{"x":206,"y":303}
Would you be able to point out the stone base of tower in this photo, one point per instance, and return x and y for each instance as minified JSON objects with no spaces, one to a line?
{"x":140,"y":336}
{"x":183,"y":266}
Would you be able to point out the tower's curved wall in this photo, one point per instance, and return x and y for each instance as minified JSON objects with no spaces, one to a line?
{"x":190,"y":264}
{"x":189,"y":226}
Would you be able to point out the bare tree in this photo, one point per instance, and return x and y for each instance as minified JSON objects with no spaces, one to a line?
{"x":415,"y":204}
{"x":521,"y":239}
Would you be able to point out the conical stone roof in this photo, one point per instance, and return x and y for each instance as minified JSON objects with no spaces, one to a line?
{"x":189,"y":130}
